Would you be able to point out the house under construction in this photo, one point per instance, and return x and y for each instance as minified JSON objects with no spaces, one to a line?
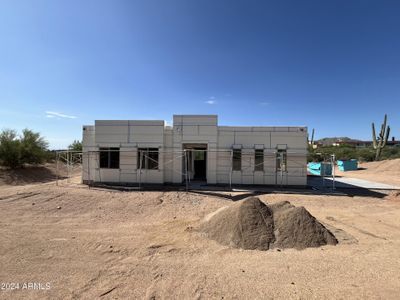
{"x":193,"y":149}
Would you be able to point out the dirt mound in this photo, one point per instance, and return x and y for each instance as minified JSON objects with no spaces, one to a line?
{"x":384,"y":171}
{"x":296,"y":228}
{"x":247,"y":224}
{"x":250,"y":224}
{"x":32,"y":174}
{"x":389,"y":165}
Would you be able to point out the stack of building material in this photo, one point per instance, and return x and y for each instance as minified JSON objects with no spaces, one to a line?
{"x":347,"y":165}
{"x":319,"y":168}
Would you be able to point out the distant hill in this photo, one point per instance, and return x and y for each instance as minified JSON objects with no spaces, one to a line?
{"x":330,"y":140}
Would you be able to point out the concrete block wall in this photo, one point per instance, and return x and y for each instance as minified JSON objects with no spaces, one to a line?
{"x":169,"y":155}
{"x":88,"y":160}
{"x":293,"y":139}
{"x":130,"y":135}
{"x":195,"y":129}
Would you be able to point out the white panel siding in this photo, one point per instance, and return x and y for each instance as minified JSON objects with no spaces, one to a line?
{"x":129,"y":135}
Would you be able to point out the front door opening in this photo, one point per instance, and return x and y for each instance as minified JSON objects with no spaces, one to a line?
{"x":199,"y":164}
{"x":197,"y":161}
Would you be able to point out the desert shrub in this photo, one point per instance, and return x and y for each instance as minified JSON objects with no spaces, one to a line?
{"x":10,"y":154}
{"x":50,"y":156}
{"x":75,"y":146}
{"x":324,"y":153}
{"x":348,"y":152}
{"x":366,"y":154}
{"x":345,"y":153}
{"x":33,"y":147}
{"x":390,"y":152}
{"x":15,"y":151}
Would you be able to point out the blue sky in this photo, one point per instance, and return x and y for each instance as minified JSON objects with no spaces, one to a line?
{"x":330,"y":65}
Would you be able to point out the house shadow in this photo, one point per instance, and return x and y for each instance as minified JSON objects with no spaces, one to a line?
{"x":326,"y":185}
{"x":347,"y":192}
{"x":226,"y":196}
{"x":315,"y":186}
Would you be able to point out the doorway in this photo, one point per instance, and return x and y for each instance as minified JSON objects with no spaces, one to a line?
{"x":196,"y":161}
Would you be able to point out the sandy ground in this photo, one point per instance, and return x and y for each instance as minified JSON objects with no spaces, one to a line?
{"x":386,"y":171}
{"x":119,"y":245}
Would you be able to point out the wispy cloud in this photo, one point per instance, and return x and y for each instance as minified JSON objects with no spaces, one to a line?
{"x":211,"y":100}
{"x":264,"y":103}
{"x":53,"y":114}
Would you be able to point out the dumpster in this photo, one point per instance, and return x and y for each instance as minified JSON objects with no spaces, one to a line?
{"x":319,"y":168}
{"x":348,"y":165}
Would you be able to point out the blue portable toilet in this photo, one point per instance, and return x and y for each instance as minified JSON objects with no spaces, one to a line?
{"x":319,"y":168}
{"x":348,"y":165}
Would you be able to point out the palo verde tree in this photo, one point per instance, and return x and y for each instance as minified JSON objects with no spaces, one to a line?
{"x":10,"y":155}
{"x":380,"y":142}
{"x":28,"y":148}
{"x":33,"y":147}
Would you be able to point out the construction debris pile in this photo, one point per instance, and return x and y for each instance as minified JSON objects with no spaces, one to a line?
{"x":251,"y":224}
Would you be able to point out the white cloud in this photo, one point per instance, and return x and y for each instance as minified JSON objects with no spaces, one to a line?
{"x":211,"y":102}
{"x":53,"y":114}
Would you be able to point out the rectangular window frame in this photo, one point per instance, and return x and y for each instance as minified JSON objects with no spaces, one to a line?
{"x":236,"y":159}
{"x":259,"y":160}
{"x":278,"y":158}
{"x":150,"y":158}
{"x":109,"y":157}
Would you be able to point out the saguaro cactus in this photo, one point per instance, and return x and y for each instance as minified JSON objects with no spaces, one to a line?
{"x":380,"y":142}
{"x":311,"y":141}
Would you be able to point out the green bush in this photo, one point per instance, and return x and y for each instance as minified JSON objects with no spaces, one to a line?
{"x":366,"y":154}
{"x":75,"y":146}
{"x":51,"y":155}
{"x":324,"y":153}
{"x":10,"y":154}
{"x":346,"y":152}
{"x":33,"y":147}
{"x":29,"y":148}
{"x":390,"y":152}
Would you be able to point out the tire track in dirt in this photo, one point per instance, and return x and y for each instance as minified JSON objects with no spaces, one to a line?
{"x":356,"y":228}
{"x":24,"y":196}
